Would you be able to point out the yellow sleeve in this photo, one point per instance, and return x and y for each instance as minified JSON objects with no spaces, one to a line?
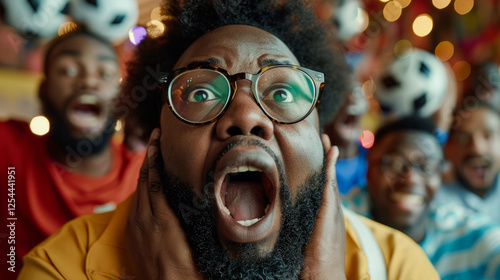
{"x":403,"y":257}
{"x":63,"y":254}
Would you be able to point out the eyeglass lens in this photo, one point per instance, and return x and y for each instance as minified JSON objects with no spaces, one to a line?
{"x":200,"y":95}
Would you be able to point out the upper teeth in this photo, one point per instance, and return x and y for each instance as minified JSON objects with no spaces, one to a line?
{"x":244,"y":168}
{"x":88,"y":99}
{"x":407,"y":198}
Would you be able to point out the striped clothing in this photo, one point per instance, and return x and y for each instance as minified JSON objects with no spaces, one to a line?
{"x":460,"y":243}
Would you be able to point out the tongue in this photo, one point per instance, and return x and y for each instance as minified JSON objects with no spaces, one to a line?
{"x":245,"y":200}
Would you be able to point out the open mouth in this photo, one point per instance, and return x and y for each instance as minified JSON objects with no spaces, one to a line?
{"x":409,"y":199}
{"x":246,"y":194}
{"x":478,"y":168}
{"x":86,"y":112}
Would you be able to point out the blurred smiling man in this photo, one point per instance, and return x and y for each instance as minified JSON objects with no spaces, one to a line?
{"x":402,"y":180}
{"x":76,"y":168}
{"x":238,"y":183}
{"x":474,"y":151}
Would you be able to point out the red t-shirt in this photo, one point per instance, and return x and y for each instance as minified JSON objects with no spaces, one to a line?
{"x":46,"y":194}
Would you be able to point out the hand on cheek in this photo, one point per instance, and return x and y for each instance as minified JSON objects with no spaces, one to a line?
{"x":325,"y":253}
{"x":154,"y":235}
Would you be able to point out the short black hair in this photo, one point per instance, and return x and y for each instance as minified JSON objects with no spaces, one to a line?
{"x":408,"y":123}
{"x":463,"y":110}
{"x":292,"y":21}
{"x":78,"y":31}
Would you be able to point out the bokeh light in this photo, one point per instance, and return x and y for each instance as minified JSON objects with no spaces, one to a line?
{"x":39,"y":125}
{"x":366,"y":20}
{"x":422,"y":25}
{"x":383,"y":1}
{"x":402,"y":46}
{"x":462,"y":7}
{"x":404,"y":3}
{"x":462,"y":70}
{"x":66,"y":27}
{"x":118,"y":125}
{"x":392,"y":11}
{"x":367,"y":140}
{"x":155,"y":28}
{"x":444,"y":50}
{"x":156,"y":14}
{"x":137,"y":34}
{"x":441,"y":4}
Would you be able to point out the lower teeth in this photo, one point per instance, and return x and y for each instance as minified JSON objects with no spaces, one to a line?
{"x":248,"y":223}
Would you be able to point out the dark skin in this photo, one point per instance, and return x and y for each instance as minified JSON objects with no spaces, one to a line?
{"x":82,"y":70}
{"x":401,"y":200}
{"x":191,"y":148}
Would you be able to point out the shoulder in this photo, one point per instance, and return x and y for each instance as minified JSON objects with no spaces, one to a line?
{"x":404,"y":258}
{"x":14,"y":130}
{"x":64,"y":252}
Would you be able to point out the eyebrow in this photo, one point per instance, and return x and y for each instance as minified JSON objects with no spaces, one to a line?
{"x":74,"y":53}
{"x":213,"y":61}
{"x":207,"y":62}
{"x":272,"y":62}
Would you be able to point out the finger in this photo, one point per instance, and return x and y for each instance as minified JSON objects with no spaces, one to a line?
{"x":327,"y":144}
{"x":141,"y":199}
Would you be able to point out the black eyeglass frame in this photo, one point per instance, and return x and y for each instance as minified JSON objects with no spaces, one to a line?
{"x":316,"y":77}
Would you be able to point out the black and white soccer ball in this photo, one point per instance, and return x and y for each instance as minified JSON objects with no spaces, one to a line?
{"x":111,"y":19}
{"x":415,"y":83}
{"x":35,"y":18}
{"x":348,"y":18}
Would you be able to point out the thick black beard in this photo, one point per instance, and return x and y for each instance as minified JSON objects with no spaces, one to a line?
{"x":83,"y":147}
{"x":196,"y":215}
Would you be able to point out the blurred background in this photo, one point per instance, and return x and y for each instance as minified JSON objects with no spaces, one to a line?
{"x":464,"y":34}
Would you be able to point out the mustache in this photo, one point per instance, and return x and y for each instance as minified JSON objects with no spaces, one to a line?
{"x":481,"y":159}
{"x":241,"y":142}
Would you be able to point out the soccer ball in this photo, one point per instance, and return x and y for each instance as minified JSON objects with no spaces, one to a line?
{"x":415,"y":83}
{"x":33,"y":19}
{"x":110,"y":19}
{"x":348,"y":18}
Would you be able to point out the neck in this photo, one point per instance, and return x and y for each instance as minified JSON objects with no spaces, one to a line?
{"x":479,"y":192}
{"x":93,"y":165}
{"x":348,"y":151}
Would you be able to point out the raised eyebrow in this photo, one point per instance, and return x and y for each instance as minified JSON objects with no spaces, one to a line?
{"x":207,"y":62}
{"x":272,"y":62}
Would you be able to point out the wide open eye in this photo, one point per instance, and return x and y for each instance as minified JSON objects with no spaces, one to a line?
{"x":201,"y":94}
{"x":280,"y":93}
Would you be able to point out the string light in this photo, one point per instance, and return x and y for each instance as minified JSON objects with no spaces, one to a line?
{"x":392,"y":11}
{"x":155,"y":28}
{"x":404,"y":3}
{"x":40,"y":125}
{"x":462,"y":70}
{"x":422,"y":25}
{"x":462,"y":7}
{"x":444,"y":50}
{"x":118,"y":125}
{"x":441,"y":4}
{"x":137,"y":34}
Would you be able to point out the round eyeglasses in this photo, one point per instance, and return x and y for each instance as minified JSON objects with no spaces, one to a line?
{"x":200,"y":95}
{"x":399,"y":165}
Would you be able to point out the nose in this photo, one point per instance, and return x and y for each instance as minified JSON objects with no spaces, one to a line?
{"x":87,"y":80}
{"x":477,"y":145}
{"x":244,"y":116}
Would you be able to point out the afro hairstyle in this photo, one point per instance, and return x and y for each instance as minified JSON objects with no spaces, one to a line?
{"x":292,"y":21}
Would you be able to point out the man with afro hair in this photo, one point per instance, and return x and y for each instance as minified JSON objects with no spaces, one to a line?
{"x":238,"y":181}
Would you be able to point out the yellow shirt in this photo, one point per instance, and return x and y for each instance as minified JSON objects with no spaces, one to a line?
{"x":94,"y":247}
